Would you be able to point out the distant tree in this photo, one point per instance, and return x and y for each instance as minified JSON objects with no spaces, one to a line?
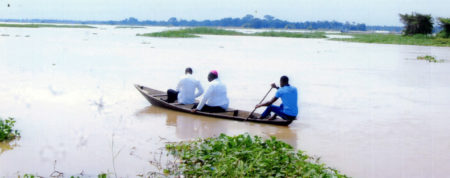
{"x":416,"y":23}
{"x":445,"y":24}
{"x":269,"y":17}
{"x":172,"y":21}
{"x":247,"y":18}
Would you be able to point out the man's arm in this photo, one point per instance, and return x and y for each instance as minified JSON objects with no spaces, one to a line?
{"x":267,"y":103}
{"x":271,"y":101}
{"x":204,"y":99}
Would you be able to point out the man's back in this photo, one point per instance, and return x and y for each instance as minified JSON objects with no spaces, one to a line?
{"x":216,"y":95}
{"x":186,"y":87}
{"x":288,"y":95}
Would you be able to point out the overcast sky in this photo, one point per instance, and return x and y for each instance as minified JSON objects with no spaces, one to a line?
{"x":370,"y":12}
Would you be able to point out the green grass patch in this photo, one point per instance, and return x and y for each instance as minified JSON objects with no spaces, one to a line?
{"x":191,"y":33}
{"x":422,"y":40}
{"x":43,"y":26}
{"x":7,"y":131}
{"x":245,"y":156}
{"x":169,"y":34}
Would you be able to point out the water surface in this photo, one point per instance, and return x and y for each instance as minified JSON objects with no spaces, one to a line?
{"x":369,"y":110}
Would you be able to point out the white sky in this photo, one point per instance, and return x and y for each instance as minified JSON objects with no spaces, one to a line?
{"x":371,"y":12}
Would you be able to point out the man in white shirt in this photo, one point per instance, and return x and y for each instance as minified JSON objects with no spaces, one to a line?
{"x":215,"y":98}
{"x":185,"y":92}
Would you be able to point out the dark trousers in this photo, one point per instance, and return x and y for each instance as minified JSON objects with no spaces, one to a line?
{"x":172,"y":95}
{"x":207,"y":108}
{"x":278,"y":110}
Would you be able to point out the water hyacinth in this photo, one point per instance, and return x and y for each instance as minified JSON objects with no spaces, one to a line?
{"x":246,"y":156}
{"x":6,"y":129}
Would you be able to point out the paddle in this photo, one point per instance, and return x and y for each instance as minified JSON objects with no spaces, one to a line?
{"x":259,"y":103}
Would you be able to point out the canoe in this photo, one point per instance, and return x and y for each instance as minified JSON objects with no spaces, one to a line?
{"x":157,"y":98}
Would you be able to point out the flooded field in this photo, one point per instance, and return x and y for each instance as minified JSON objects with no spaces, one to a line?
{"x":368,"y":110}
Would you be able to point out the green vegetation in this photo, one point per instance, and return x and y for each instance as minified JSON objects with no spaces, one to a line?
{"x":190,"y":33}
{"x":245,"y":156}
{"x":445,"y":24}
{"x":43,"y":26}
{"x":7,"y":131}
{"x":429,"y":59}
{"x":424,"y":40}
{"x":416,"y":23}
{"x":169,"y":34}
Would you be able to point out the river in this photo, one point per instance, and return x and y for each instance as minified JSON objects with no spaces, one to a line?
{"x":368,"y":110}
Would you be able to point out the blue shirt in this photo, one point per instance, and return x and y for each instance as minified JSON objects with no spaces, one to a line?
{"x":288,"y":95}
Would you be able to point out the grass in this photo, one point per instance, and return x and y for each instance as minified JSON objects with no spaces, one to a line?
{"x":422,"y":40}
{"x":191,"y":33}
{"x":245,"y":156}
{"x":7,"y":131}
{"x":43,"y":26}
{"x":169,"y":34}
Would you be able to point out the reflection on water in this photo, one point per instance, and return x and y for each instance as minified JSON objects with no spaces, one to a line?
{"x":190,"y":126}
{"x":8,"y":145}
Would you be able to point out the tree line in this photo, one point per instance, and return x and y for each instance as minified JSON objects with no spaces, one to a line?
{"x":248,"y":21}
{"x":416,"y":23}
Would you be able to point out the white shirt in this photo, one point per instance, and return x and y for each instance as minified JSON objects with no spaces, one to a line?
{"x":186,"y":86}
{"x":216,"y":95}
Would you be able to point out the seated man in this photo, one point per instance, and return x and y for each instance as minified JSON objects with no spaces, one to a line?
{"x":185,"y":92}
{"x":215,"y":98}
{"x":288,"y":110}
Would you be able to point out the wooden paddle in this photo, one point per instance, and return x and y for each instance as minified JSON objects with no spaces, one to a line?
{"x":259,"y":103}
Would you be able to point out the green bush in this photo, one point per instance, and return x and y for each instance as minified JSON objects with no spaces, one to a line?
{"x":246,"y":156}
{"x":6,"y":129}
{"x":445,"y":24}
{"x":417,"y":23}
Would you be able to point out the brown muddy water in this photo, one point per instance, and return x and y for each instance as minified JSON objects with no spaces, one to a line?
{"x":368,"y":110}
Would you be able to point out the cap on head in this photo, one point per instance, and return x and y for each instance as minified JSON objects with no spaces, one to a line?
{"x":214,"y":72}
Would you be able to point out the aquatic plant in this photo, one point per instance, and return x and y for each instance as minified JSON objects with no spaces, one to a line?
{"x":245,"y":156}
{"x":429,"y":58}
{"x":7,"y":131}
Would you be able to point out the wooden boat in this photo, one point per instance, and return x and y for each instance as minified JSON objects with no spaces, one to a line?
{"x":157,"y":98}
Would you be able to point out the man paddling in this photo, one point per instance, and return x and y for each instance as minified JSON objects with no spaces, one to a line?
{"x":288,"y":110}
{"x":185,"y":91}
{"x":215,"y":98}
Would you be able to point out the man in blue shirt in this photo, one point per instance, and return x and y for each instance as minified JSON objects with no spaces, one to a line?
{"x":288,"y":110}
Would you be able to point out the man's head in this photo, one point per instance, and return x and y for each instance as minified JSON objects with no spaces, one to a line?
{"x":284,"y":80}
{"x":212,"y":75}
{"x":188,"y":70}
